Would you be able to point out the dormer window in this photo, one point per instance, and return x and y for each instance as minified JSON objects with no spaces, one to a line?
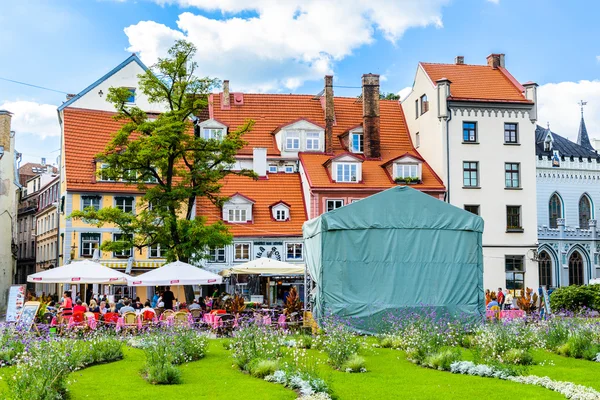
{"x":212,"y":133}
{"x":406,"y":168}
{"x":292,"y":140}
{"x":280,"y":211}
{"x":356,"y":141}
{"x":313,"y":141}
{"x":407,"y":171}
{"x":273,"y":169}
{"x":346,"y":172}
{"x":211,"y":129}
{"x":301,"y":135}
{"x":238,"y":209}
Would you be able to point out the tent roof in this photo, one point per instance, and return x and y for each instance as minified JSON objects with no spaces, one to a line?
{"x":85,"y":271}
{"x":267,"y":266}
{"x":400,"y":207}
{"x":175,"y":273}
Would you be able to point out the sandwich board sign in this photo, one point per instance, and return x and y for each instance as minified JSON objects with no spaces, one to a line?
{"x":27,"y":318}
{"x":16,"y":299}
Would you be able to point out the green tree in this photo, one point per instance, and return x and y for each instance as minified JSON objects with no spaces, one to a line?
{"x":389,"y":96}
{"x":170,"y":163}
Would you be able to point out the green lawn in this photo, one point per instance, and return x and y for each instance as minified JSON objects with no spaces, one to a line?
{"x":389,"y":376}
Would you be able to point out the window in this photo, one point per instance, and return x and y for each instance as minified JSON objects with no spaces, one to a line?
{"x":346,"y":172}
{"x":470,"y":132}
{"x":289,"y":169}
{"x":148,"y":177}
{"x":510,"y":133}
{"x":90,"y":201}
{"x":281,"y":215}
{"x":333,"y":204}
{"x":417,"y":109}
{"x":554,"y":210}
{"x":237,"y":215}
{"x":211,"y":133}
{"x":513,"y":218}
{"x":125,"y":204}
{"x":424,"y":104}
{"x":474,"y":209}
{"x":273,"y":169}
{"x":407,"y":171}
{"x":312,"y":141}
{"x":89,"y":242}
{"x":357,"y":142}
{"x":470,"y":174}
{"x":131,"y":98}
{"x":515,"y":273}
{"x":292,"y":141}
{"x":241,"y":252}
{"x":121,"y":237}
{"x":417,"y":140}
{"x":129,"y":175}
{"x":216,"y":255}
{"x":294,"y":251}
{"x":511,"y":174}
{"x":585,"y":212}
{"x":154,"y":251}
{"x":545,"y":269}
{"x":104,"y":174}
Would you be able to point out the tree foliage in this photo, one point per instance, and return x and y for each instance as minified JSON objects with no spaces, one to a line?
{"x":166,"y":160}
{"x":389,"y":96}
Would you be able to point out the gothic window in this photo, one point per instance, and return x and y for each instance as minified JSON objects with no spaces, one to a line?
{"x":555,"y":209}
{"x":585,"y":212}
{"x":545,"y":269}
{"x":576,"y":269}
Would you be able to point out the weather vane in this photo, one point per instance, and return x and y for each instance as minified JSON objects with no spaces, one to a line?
{"x":581,"y":104}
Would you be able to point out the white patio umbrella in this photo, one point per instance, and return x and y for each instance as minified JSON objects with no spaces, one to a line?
{"x":85,"y":271}
{"x":267,"y":266}
{"x":175,"y":273}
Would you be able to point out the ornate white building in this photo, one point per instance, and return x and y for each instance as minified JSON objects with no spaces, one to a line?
{"x":568,"y":192}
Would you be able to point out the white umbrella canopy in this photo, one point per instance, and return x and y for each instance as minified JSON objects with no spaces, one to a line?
{"x":85,"y":271}
{"x":267,"y":266}
{"x":175,"y":273}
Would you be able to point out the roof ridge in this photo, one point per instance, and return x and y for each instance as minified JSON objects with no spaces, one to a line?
{"x":457,"y":65}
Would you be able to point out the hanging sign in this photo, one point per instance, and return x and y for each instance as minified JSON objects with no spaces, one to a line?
{"x":269,"y":250}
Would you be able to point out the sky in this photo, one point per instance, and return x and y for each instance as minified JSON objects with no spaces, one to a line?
{"x":287,"y":46}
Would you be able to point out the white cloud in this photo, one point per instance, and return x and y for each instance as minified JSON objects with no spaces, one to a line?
{"x":282,"y":44}
{"x":557,"y":104}
{"x":493,"y":1}
{"x":403,"y":93}
{"x":34,"y":118}
{"x":598,"y":58}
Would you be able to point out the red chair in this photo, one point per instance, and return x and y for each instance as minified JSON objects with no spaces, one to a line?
{"x":97,"y":316}
{"x":111,"y":318}
{"x":78,"y":318}
{"x":148,"y":316}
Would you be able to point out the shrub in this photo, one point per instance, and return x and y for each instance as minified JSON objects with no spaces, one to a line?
{"x":518,"y":357}
{"x":304,"y":341}
{"x":163,"y":373}
{"x":255,"y":342}
{"x":575,"y":298}
{"x":262,"y":368}
{"x":339,"y":343}
{"x":443,"y":359}
{"x":354,"y":363}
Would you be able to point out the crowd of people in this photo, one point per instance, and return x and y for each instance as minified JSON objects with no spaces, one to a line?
{"x":502,"y":299}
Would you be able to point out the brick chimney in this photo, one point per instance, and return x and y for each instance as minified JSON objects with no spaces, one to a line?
{"x":225,"y":101}
{"x":370,"y":98}
{"x":495,"y":60}
{"x":459,"y":60}
{"x":329,"y":114}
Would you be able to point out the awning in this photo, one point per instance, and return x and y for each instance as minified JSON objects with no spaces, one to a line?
{"x":175,"y":273}
{"x":85,"y":271}
{"x":266,"y":266}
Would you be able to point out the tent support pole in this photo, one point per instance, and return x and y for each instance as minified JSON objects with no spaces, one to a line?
{"x":268,"y":294}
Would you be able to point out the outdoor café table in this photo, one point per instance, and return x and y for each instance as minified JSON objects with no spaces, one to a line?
{"x":506,"y":314}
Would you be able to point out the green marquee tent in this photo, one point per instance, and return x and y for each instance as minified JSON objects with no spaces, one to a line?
{"x":396,"y":250}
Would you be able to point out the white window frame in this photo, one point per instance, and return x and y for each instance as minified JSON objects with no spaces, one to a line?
{"x":273,"y":169}
{"x":292,"y":138}
{"x":361,"y":141}
{"x":235,"y":245}
{"x":122,"y":253}
{"x":289,"y":169}
{"x":83,"y":198}
{"x":237,"y":215}
{"x":314,"y":139}
{"x":217,"y":255}
{"x":401,"y":169}
{"x":295,"y":246}
{"x":156,"y":249}
{"x":102,"y":177}
{"x":123,"y":206}
{"x":281,"y":214}
{"x":209,"y":132}
{"x":89,"y":242}
{"x":333,"y":200}
{"x":342,"y":166}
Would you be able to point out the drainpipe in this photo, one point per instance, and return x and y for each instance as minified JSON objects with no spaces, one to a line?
{"x":448,"y":153}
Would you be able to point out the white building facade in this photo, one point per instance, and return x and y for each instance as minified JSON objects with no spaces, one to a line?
{"x":568,"y":194}
{"x":475,"y":125}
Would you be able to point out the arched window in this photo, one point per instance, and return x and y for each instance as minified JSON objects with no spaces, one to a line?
{"x":585,"y":212}
{"x":575,"y":269}
{"x":545,"y":269}
{"x":555,"y":208}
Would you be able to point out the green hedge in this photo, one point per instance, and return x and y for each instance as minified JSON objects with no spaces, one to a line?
{"x":574,"y":298}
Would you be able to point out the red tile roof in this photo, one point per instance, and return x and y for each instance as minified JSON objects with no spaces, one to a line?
{"x":277,"y":188}
{"x":477,"y":82}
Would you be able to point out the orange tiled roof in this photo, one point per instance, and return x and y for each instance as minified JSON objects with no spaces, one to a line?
{"x":264,"y":192}
{"x":477,"y":82}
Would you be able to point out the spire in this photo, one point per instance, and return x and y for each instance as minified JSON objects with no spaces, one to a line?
{"x":582,"y":137}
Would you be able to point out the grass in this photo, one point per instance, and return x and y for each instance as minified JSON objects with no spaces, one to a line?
{"x":389,"y":376}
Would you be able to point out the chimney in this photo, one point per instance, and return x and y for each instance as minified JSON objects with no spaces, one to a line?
{"x":531,"y":94}
{"x":495,"y":60}
{"x":259,"y":161}
{"x":43,"y":160}
{"x":443,"y":91}
{"x":329,"y":114}
{"x":370,"y":98}
{"x":225,"y":101}
{"x":5,"y":132}
{"x":459,"y":60}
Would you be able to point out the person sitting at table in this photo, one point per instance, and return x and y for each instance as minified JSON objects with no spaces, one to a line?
{"x":112,"y":308}
{"x":79,"y":308}
{"x":493,"y":302}
{"x":146,"y":310}
{"x":126,"y":307}
{"x":94,"y":307}
{"x":120,"y":304}
{"x":195,"y":305}
{"x":102,"y":307}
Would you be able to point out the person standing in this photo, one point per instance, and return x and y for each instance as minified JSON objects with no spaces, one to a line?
{"x":168,"y":298}
{"x":67,"y":305}
{"x":500,"y":298}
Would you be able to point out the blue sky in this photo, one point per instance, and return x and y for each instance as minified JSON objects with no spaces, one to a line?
{"x":259,"y":46}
